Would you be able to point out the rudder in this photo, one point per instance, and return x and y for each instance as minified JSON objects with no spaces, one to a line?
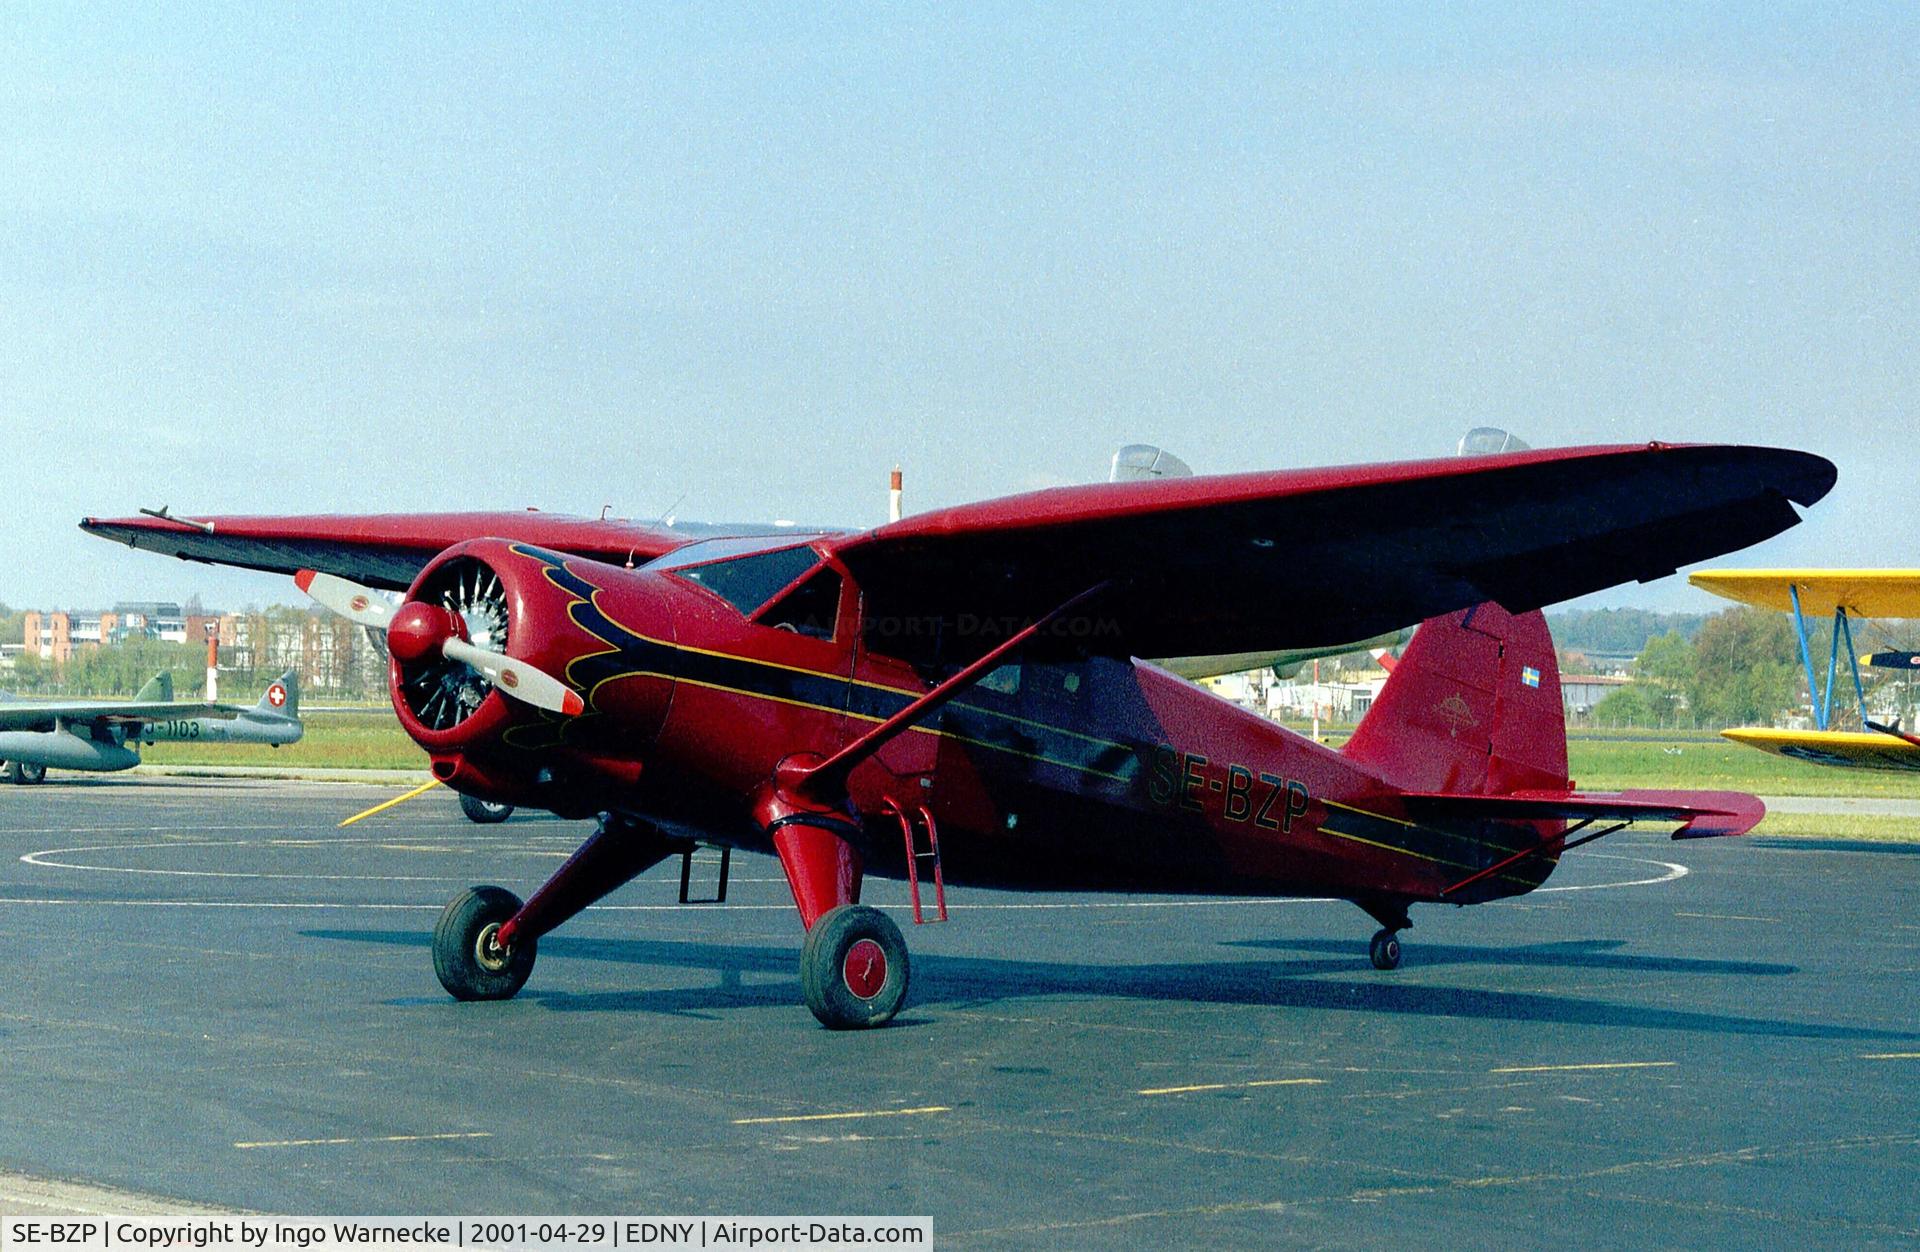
{"x":1472,"y":708}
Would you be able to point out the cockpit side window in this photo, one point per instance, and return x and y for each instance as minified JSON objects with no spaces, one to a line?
{"x":811,"y":609}
{"x":747,"y":582}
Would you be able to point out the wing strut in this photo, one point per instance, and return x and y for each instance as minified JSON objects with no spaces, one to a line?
{"x":1536,"y":850}
{"x":1822,"y":699}
{"x":831,"y":774}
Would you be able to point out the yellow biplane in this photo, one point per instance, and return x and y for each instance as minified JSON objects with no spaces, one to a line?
{"x":1845,"y":595}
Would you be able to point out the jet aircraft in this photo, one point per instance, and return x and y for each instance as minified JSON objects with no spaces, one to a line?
{"x":100,"y":736}
{"x":954,"y":698}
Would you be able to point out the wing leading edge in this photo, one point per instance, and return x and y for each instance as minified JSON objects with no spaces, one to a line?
{"x":383,"y":550}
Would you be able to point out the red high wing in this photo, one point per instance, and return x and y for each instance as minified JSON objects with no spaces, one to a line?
{"x":380,"y":549}
{"x":1217,"y":564}
{"x":1297,"y":558}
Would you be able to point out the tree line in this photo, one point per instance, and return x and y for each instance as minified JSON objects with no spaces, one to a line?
{"x":1741,"y":668}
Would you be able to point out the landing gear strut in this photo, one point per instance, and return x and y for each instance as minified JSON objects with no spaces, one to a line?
{"x":853,"y":965}
{"x":484,"y":944}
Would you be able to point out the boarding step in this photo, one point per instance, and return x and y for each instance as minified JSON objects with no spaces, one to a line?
{"x":722,"y":864}
{"x":921,"y":860}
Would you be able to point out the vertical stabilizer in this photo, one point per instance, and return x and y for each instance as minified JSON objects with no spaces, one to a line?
{"x":159,"y":689}
{"x":1473,"y":708}
{"x":282,"y":697}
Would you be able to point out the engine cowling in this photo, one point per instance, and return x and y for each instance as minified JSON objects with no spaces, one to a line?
{"x":589,"y":624}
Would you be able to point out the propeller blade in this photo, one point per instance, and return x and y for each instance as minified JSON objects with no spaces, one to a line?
{"x":516,"y":678}
{"x":365,"y":607}
{"x":360,"y":605}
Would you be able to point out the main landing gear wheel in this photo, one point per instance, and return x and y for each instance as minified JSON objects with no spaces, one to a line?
{"x":470,"y":962}
{"x":853,"y":968}
{"x":485,"y":812}
{"x":1385,"y":950}
{"x":25,"y":772}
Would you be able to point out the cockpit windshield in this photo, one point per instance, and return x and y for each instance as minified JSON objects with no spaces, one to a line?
{"x":747,"y":580}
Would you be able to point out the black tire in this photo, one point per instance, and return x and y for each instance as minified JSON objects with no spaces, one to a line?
{"x":469,"y":970}
{"x":853,"y":968}
{"x":486,"y":812}
{"x":29,"y":772}
{"x":1385,"y":950}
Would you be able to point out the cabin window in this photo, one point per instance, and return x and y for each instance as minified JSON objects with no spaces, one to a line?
{"x":1003,"y":678}
{"x":747,"y":582}
{"x":811,"y":609}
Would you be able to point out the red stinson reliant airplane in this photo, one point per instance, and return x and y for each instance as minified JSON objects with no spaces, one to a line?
{"x":954,"y":698}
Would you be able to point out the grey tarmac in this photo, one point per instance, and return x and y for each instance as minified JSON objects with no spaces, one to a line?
{"x":216,"y":997}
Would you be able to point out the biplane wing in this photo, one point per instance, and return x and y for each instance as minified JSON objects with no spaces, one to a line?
{"x":1820,"y":592}
{"x":1848,"y":749}
{"x":1845,"y":595}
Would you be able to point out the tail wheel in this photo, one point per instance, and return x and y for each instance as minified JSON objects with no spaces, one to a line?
{"x":467,"y":956}
{"x":853,"y":968}
{"x":485,"y":812}
{"x":1385,"y":950}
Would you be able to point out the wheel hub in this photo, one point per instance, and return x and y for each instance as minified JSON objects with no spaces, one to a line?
{"x":865,"y":969}
{"x":487,"y":950}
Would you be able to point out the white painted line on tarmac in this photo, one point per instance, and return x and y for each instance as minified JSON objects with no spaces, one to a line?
{"x":319,"y":1143}
{"x":1555,"y":1069}
{"x":1232,"y":1086}
{"x":840,"y":1117}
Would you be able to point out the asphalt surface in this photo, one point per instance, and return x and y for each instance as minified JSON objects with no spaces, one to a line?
{"x":213,"y":995}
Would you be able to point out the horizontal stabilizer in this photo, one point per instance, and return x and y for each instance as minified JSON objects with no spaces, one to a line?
{"x":1702,"y":814}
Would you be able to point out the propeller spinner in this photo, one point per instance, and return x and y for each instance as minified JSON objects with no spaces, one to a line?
{"x":420,"y":633}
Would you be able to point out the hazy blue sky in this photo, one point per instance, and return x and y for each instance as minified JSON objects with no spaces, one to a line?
{"x":305,"y":258}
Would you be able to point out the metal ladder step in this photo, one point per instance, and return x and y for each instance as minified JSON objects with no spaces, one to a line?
{"x":918,"y":860}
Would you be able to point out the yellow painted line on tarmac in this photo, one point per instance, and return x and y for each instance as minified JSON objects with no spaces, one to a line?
{"x":1550,"y":1069}
{"x":836,"y":1117}
{"x":1232,"y":1086}
{"x":315,"y":1143}
{"x":1890,"y":1056}
{"x":421,"y":790}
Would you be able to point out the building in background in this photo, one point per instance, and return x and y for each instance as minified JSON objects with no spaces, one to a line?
{"x":330,"y":654}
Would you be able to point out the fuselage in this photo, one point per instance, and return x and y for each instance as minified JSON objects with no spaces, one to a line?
{"x":1059,"y":771}
{"x":99,"y":746}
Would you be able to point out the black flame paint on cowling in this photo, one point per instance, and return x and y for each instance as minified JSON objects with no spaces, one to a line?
{"x":439,"y":692}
